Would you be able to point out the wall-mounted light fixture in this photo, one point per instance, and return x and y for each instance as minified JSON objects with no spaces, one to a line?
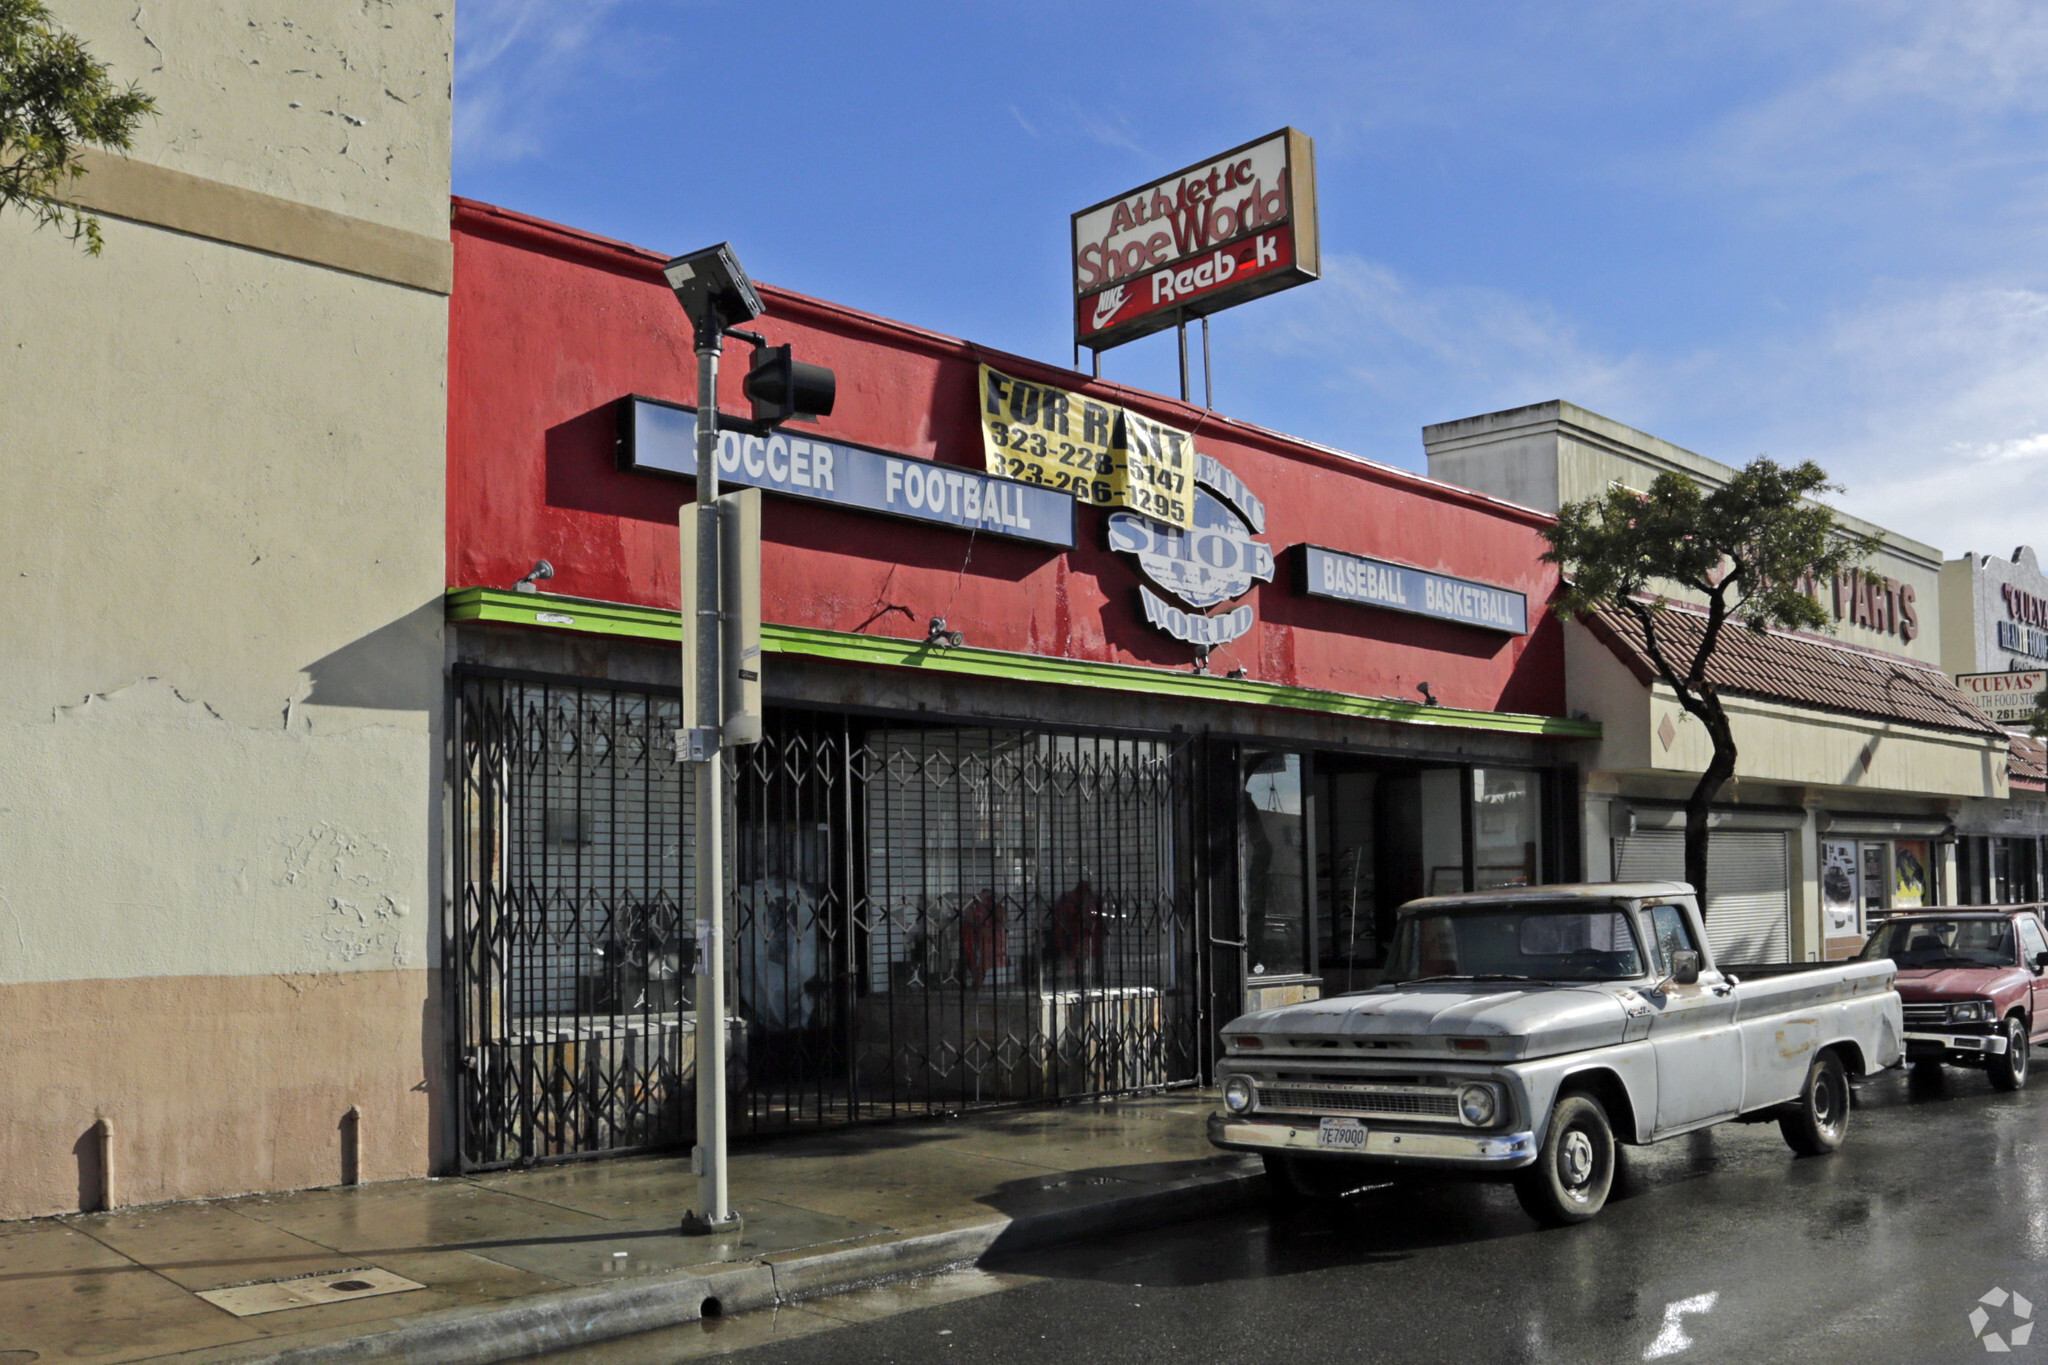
{"x":939,"y":637}
{"x":541,"y":570}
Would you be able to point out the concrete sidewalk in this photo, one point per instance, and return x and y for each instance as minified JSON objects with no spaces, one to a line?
{"x":516,"y":1263}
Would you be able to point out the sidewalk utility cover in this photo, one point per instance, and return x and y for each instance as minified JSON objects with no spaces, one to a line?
{"x":247,"y":1300}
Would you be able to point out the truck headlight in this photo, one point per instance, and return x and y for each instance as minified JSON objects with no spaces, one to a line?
{"x":1478,"y":1105}
{"x":1238,"y":1094}
{"x":1969,"y":1012}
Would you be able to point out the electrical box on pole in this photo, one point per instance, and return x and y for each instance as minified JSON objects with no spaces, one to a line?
{"x":739,"y":549}
{"x":693,"y":744}
{"x":739,"y":612}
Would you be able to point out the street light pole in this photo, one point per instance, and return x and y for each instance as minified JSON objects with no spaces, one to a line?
{"x":713,"y":1212}
{"x":724,"y":703}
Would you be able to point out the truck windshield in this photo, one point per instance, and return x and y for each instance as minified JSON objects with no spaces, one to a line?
{"x":1915,"y":943}
{"x":1537,"y":943}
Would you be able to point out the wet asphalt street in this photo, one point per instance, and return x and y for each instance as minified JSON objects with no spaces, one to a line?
{"x":1720,"y":1246}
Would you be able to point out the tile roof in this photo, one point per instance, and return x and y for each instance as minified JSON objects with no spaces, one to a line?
{"x":1800,"y":669}
{"x":2027,"y":766}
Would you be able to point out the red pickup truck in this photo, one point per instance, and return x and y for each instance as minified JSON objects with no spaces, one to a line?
{"x":1973,"y":986}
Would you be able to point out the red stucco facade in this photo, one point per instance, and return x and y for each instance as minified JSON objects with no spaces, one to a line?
{"x":550,"y":327}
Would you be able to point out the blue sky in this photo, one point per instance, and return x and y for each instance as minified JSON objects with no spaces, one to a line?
{"x":1812,"y":229}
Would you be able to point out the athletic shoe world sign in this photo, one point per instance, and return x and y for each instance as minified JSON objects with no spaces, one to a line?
{"x":1210,"y":237}
{"x":661,"y":438}
{"x":1214,"y":561}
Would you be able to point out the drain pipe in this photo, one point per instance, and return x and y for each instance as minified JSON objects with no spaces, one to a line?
{"x":103,"y":1143}
{"x":352,"y":1146}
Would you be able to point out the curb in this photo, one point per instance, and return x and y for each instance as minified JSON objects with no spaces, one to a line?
{"x":558,"y":1320}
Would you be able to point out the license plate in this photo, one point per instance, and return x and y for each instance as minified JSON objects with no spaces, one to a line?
{"x":1341,"y":1135}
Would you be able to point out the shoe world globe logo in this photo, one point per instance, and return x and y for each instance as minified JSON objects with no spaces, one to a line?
{"x":1215,"y":560}
{"x":2002,"y":1321}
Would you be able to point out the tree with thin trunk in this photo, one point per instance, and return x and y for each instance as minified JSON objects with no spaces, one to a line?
{"x":54,"y":100}
{"x":1751,"y":552}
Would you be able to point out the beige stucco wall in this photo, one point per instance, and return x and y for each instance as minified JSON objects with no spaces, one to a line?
{"x":220,"y":663}
{"x":1548,"y":454}
{"x":341,"y":104}
{"x":1780,"y":744}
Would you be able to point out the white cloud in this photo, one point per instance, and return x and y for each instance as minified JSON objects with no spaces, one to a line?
{"x":1368,"y":325}
{"x":511,"y":57}
{"x":1902,"y":96}
{"x":1940,"y":407}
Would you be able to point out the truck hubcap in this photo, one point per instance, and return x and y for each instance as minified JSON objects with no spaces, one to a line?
{"x":1575,"y":1158}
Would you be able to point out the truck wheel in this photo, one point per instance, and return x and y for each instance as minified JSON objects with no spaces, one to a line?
{"x":1820,"y":1120}
{"x":2009,"y":1072}
{"x":1575,"y":1169}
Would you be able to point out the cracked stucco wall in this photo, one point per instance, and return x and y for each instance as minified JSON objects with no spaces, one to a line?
{"x":341,"y":104}
{"x":223,"y":579}
{"x":221,"y":650}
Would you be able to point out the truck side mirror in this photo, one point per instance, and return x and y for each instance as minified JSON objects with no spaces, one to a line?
{"x":1685,"y":967}
{"x":2040,"y":961}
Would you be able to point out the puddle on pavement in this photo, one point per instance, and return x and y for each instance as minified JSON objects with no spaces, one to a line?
{"x":718,"y":1336}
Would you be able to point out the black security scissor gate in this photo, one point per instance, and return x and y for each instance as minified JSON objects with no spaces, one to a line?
{"x":924,"y":918}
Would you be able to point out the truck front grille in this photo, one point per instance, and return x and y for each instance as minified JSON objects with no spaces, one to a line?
{"x":1367,"y":1101}
{"x":1926,"y":1016}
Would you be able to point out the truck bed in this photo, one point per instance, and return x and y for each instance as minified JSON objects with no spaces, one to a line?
{"x":1749,"y":970}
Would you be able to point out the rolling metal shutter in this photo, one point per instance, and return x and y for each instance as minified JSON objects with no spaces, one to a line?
{"x":1749,"y":893}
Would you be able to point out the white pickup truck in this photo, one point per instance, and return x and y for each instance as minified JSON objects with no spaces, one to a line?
{"x":1519,"y":1033}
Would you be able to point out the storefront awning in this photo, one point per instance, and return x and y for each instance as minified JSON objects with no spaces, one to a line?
{"x":584,"y":616}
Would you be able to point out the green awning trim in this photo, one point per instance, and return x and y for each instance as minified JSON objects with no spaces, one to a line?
{"x":583,"y":615}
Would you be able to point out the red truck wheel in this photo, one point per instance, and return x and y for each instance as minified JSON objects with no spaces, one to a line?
{"x":2008,"y":1070}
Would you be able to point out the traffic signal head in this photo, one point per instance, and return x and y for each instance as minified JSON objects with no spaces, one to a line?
{"x":781,"y":388}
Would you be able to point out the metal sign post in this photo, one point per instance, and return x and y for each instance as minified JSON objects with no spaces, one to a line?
{"x":702,"y":680}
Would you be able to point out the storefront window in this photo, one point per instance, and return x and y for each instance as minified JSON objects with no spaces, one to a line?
{"x":1909,"y":875}
{"x":1838,"y":876}
{"x":1876,"y":882}
{"x":1506,"y":828}
{"x":1348,"y":866}
{"x":1443,"y":831}
{"x":1274,"y":863}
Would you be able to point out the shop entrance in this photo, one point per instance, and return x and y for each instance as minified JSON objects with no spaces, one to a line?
{"x":1333,"y":844}
{"x":924,"y":918}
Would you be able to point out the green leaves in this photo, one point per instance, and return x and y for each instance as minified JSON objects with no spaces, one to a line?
{"x":1755,"y":549}
{"x":55,"y":99}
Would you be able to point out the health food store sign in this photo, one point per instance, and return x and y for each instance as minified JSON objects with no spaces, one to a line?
{"x":2005,"y":698}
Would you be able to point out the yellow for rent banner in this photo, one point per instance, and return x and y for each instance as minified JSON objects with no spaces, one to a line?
{"x":1102,"y":454}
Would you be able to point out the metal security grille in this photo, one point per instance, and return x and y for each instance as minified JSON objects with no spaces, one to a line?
{"x":922,"y":920}
{"x":1749,"y":897}
{"x":571,"y":962}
